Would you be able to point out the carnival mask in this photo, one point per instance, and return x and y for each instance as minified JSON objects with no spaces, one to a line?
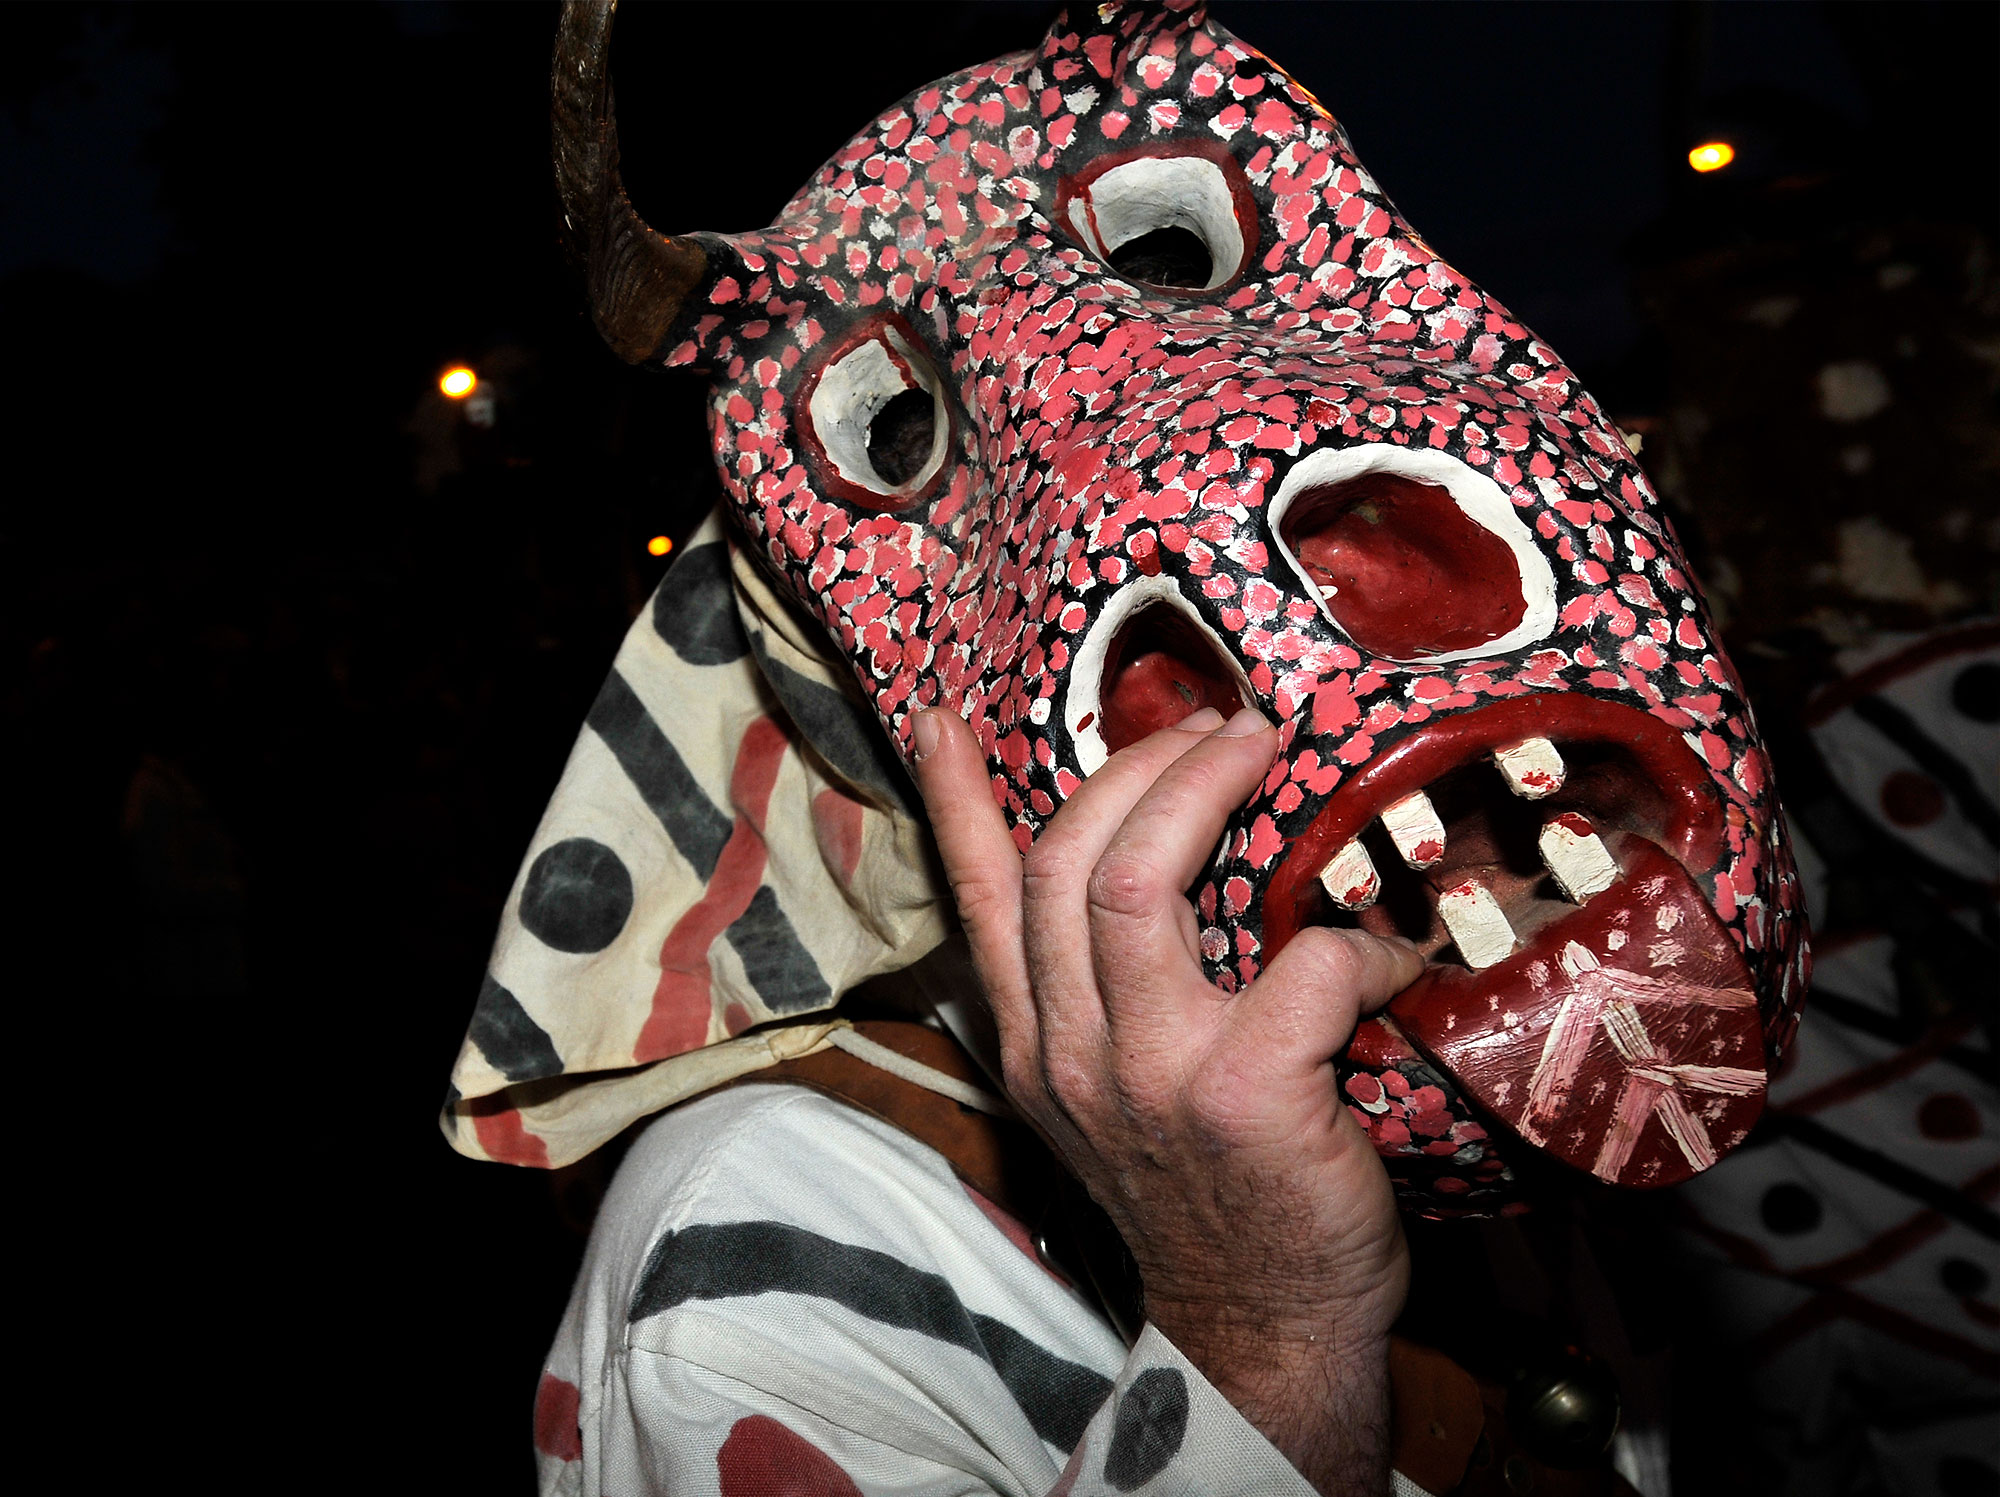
{"x":1101,"y":382}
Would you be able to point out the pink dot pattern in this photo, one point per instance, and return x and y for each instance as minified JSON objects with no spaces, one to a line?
{"x":1104,"y":430}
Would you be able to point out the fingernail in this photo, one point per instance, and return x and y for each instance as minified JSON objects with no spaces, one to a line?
{"x":925,"y":733}
{"x":1243,"y":724}
{"x":1203,"y":721}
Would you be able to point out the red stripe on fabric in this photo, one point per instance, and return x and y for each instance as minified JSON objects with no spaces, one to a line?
{"x":763,"y":1458}
{"x":682,"y":1004}
{"x":1871,"y":679}
{"x":1066,"y":1483}
{"x":1890,"y":1068}
{"x":1845,"y":1304}
{"x":503,"y":1135}
{"x":557,"y":1404}
{"x":1898,"y":1240}
{"x":756,"y":773}
{"x":1743,"y":1251}
{"x":837,"y":826}
{"x":1782,"y":1332}
{"x":1879,"y":1253}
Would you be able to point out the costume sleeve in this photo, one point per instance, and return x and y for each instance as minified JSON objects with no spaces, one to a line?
{"x":1165,"y":1429}
{"x":1162,"y":1430}
{"x":783,"y":1295}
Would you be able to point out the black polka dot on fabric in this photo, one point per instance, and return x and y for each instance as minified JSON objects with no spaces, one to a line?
{"x":1147,"y":1430}
{"x":1975,"y":691}
{"x":1967,"y":1476}
{"x":1963,"y":1277}
{"x":695,"y":609}
{"x":577,"y":897}
{"x":1789,"y":1210}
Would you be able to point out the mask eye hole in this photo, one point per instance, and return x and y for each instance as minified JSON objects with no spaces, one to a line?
{"x":1172,"y":256}
{"x":1182,"y":218}
{"x":875,"y":420}
{"x":901,"y":436}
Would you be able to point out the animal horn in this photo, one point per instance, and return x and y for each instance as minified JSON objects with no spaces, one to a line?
{"x":638,"y":277}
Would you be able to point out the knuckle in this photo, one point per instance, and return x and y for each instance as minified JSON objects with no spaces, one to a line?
{"x":1199,"y":777}
{"x":1048,"y":869}
{"x":1122,"y":884}
{"x":1330,"y":956}
{"x":980,"y":899}
{"x":1068,"y":1081}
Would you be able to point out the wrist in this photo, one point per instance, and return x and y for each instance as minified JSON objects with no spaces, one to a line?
{"x":1318,"y":1391}
{"x":1246,"y":1317}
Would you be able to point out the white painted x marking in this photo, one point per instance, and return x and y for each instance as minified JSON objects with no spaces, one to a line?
{"x":1653,"y":1084}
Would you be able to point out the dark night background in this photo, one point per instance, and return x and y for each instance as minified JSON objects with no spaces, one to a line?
{"x":294,"y":652}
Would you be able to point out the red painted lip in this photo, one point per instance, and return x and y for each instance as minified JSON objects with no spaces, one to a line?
{"x":1690,"y":818}
{"x":1621,"y":1035}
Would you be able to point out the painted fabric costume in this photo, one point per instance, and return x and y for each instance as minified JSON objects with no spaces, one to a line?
{"x":1847,"y":1256}
{"x":1325,"y":475}
{"x":777,"y":1283}
{"x":786,"y":1295}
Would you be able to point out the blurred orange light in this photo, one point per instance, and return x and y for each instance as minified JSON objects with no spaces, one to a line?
{"x":1711,"y":155}
{"x":660,"y":545}
{"x":458,"y":382}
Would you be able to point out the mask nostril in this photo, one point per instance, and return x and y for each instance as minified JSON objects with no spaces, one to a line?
{"x":1404,"y":571}
{"x":1159,"y":668}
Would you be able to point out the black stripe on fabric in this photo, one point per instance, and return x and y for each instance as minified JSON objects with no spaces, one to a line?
{"x":1940,"y":1197}
{"x":1896,"y":725}
{"x":698,"y":829}
{"x":1851,"y":1013}
{"x":512,"y":1042}
{"x":737,"y":1259}
{"x":779,"y":967}
{"x":844,"y":732}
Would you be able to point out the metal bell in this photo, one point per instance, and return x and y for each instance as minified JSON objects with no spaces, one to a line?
{"x":1562,"y":1408}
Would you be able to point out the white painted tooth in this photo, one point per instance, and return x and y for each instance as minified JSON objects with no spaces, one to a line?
{"x":1328,"y":591}
{"x":1477,"y":924}
{"x":1413,"y":825}
{"x":1576,"y":855}
{"x":1350,"y":880}
{"x":1531,"y":768}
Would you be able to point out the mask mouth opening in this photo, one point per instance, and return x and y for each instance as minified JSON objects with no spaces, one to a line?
{"x":1556,"y":859}
{"x":1494,"y":835}
{"x":1474,"y":796}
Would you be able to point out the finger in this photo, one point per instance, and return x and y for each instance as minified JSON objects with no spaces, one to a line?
{"x":1056,"y":878}
{"x":981,"y":862}
{"x":1302,"y":1010}
{"x":1070,"y":844}
{"x":1138,"y":908}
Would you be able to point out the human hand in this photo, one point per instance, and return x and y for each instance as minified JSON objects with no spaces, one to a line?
{"x":1206,"y":1124}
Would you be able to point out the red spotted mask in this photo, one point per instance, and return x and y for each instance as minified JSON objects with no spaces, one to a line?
{"x":1101,"y":382}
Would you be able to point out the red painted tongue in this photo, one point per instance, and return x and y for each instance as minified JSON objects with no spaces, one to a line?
{"x":1623,"y":1039}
